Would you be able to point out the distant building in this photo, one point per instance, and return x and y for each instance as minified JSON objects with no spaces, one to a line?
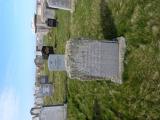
{"x":43,"y":14}
{"x":95,"y":60}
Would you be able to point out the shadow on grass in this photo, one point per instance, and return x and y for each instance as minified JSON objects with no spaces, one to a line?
{"x":97,"y":113}
{"x":107,"y":21}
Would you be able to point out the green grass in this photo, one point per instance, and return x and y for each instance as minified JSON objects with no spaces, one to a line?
{"x":139,"y":96}
{"x":57,"y":37}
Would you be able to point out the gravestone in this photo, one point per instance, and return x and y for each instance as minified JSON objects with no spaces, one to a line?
{"x":39,"y":101}
{"x":95,"y":60}
{"x":46,"y":89}
{"x":54,"y":113}
{"x":49,"y":13}
{"x":39,"y":60}
{"x":46,"y":12}
{"x":35,"y":118}
{"x":35,"y":110}
{"x":60,"y":4}
{"x":56,"y":63}
{"x":46,"y":51}
{"x":44,"y":79}
{"x":51,"y":22}
{"x":39,"y":25}
{"x":39,"y":39}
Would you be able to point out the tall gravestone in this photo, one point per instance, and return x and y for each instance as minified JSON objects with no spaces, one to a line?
{"x":95,"y":60}
{"x":61,"y":4}
{"x":51,"y":22}
{"x":54,"y":113}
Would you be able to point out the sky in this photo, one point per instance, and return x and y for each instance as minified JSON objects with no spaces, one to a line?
{"x":17,"y":68}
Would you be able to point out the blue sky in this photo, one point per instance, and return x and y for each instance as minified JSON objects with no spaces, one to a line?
{"x":17,"y":69}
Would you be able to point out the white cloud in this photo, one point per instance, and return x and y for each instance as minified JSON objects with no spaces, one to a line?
{"x":9,"y":105}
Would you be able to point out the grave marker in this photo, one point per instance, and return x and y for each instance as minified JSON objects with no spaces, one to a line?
{"x":56,"y":63}
{"x":95,"y":60}
{"x":46,"y":89}
{"x":58,"y":112}
{"x":60,"y":4}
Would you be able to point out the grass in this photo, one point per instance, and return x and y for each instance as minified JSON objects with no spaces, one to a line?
{"x":139,"y":96}
{"x":57,"y":38}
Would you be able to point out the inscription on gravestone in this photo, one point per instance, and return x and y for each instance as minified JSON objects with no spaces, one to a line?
{"x":56,"y":63}
{"x":95,"y":60}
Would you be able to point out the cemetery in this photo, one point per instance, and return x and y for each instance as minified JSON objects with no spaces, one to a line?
{"x":84,"y":66}
{"x":95,"y":60}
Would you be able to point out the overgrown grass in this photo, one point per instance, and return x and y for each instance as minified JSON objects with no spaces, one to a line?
{"x":139,"y":96}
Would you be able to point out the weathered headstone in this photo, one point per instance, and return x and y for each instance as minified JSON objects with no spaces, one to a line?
{"x":61,"y":4}
{"x":39,"y":60}
{"x":56,"y":63}
{"x":54,"y":113}
{"x":46,"y":89}
{"x":95,"y":60}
